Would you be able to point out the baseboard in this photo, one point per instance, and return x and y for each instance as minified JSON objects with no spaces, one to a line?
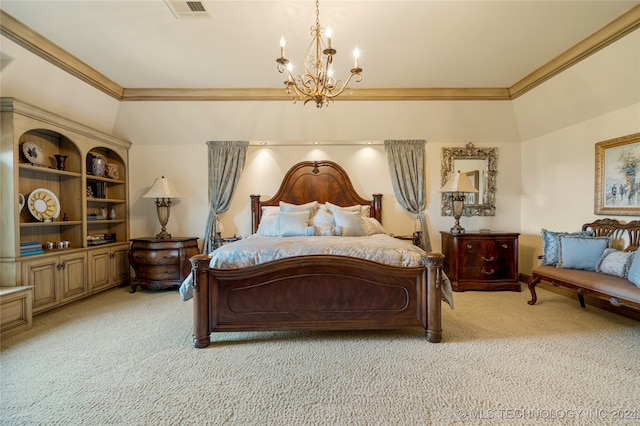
{"x":589,"y":300}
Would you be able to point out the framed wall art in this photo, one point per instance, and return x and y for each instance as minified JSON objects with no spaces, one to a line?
{"x":617,"y":184}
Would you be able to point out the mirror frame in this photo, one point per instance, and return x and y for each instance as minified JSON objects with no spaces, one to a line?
{"x":470,"y":152}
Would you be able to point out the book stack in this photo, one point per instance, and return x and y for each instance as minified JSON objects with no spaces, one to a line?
{"x":29,"y":248}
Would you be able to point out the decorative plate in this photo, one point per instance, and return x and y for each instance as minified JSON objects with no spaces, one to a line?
{"x":44,"y":205}
{"x":33,"y":152}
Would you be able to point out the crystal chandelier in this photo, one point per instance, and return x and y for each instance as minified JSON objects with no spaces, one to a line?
{"x":317,"y":84}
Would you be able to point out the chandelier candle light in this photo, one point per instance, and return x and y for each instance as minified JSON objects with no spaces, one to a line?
{"x":163,"y":192}
{"x":457,"y":185}
{"x":317,"y":84}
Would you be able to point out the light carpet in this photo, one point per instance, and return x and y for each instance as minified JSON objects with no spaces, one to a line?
{"x":127,"y":359}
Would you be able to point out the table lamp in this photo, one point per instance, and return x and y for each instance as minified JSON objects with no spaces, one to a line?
{"x":457,"y":185}
{"x":163,"y":192}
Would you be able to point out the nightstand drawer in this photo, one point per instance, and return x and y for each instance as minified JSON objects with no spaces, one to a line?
{"x":156,"y":257}
{"x":157,"y":273}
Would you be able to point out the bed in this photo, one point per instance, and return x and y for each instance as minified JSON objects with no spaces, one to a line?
{"x":321,"y":290}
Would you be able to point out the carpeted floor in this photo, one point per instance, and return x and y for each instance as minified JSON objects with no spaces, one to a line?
{"x":127,"y":359}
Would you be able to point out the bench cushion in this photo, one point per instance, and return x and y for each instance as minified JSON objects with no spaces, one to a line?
{"x":606,"y":284}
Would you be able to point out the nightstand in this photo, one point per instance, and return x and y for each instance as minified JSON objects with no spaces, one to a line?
{"x":161,"y":263}
{"x":481,"y":261}
{"x":414,"y":238}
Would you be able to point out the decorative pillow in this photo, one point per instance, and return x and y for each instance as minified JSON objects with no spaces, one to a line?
{"x":328,"y":231}
{"x":615,"y":262}
{"x":292,"y":224}
{"x":581,"y":252}
{"x":322,"y":218}
{"x":268,"y":226}
{"x":366,"y":211}
{"x":350,"y":222}
{"x":371,"y":226}
{"x":309,"y":231}
{"x":551,"y":244}
{"x":634,"y":270}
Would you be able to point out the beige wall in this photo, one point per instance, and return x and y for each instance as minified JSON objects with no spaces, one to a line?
{"x":545,"y":141}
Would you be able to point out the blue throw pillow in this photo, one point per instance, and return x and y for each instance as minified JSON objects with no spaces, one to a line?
{"x":634,"y":270}
{"x":551,"y":244}
{"x":581,"y":252}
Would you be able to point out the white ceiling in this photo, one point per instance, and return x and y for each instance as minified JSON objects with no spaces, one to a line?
{"x":404,"y":44}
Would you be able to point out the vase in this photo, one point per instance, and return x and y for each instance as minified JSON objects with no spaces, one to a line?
{"x":112,"y":213}
{"x":60,"y":161}
{"x":98,"y":166}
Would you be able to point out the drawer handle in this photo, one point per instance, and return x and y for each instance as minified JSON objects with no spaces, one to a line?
{"x":488,"y":273}
{"x":469,"y":246}
{"x":504,"y":246}
{"x":491,"y":259}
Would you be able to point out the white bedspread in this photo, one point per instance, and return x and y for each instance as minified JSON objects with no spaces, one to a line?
{"x":255,"y":250}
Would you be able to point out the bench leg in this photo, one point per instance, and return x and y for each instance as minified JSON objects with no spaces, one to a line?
{"x":581,"y":299}
{"x":533,"y":282}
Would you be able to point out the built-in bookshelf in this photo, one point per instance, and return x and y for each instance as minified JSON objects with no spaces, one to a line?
{"x":53,"y":238}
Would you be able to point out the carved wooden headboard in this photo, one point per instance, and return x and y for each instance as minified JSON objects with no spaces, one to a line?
{"x":319,"y":181}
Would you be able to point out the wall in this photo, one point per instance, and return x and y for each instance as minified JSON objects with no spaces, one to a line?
{"x":561,"y":121}
{"x":265,"y":168}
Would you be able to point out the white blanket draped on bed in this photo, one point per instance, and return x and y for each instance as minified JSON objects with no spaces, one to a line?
{"x":255,"y":250}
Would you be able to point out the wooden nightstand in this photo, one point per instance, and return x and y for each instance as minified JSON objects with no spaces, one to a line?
{"x":161,"y":263}
{"x":481,"y":261}
{"x":414,"y":238}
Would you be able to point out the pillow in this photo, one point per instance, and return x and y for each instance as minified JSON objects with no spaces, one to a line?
{"x":292,"y":224}
{"x":371,"y":226}
{"x":328,"y":231}
{"x":270,"y":210}
{"x":268,"y":226}
{"x":287,"y":207}
{"x":322,"y":218}
{"x":615,"y":262}
{"x":350,"y":223}
{"x":333,"y":208}
{"x":581,"y":252}
{"x":634,"y":270}
{"x":551,"y":244}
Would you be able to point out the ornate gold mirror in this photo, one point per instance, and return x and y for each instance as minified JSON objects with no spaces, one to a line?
{"x":480,"y":166}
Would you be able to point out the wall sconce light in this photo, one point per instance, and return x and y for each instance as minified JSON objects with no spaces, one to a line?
{"x":457,"y":185}
{"x":163,"y":192}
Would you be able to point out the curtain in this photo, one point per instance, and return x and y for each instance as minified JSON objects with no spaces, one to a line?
{"x":406,"y":160}
{"x":226,"y":161}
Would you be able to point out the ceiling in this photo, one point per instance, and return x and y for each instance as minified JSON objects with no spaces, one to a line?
{"x":431,"y":45}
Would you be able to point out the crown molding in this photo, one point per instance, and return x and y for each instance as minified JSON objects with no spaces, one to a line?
{"x":41,"y":46}
{"x":400,"y":94}
{"x":602,"y":38}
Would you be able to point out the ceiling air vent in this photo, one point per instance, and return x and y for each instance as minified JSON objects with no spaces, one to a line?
{"x":188,"y":9}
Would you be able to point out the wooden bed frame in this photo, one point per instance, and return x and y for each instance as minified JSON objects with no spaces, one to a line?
{"x":319,"y":292}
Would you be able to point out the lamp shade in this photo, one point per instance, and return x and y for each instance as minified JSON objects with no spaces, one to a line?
{"x":162,"y":188}
{"x":458,"y":182}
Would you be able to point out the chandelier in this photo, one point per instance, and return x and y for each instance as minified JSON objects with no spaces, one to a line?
{"x":317,"y":84}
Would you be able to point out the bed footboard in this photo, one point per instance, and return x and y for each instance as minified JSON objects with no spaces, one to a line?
{"x":316,"y":293}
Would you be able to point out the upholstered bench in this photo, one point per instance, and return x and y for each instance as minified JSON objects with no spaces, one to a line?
{"x":606,"y":273}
